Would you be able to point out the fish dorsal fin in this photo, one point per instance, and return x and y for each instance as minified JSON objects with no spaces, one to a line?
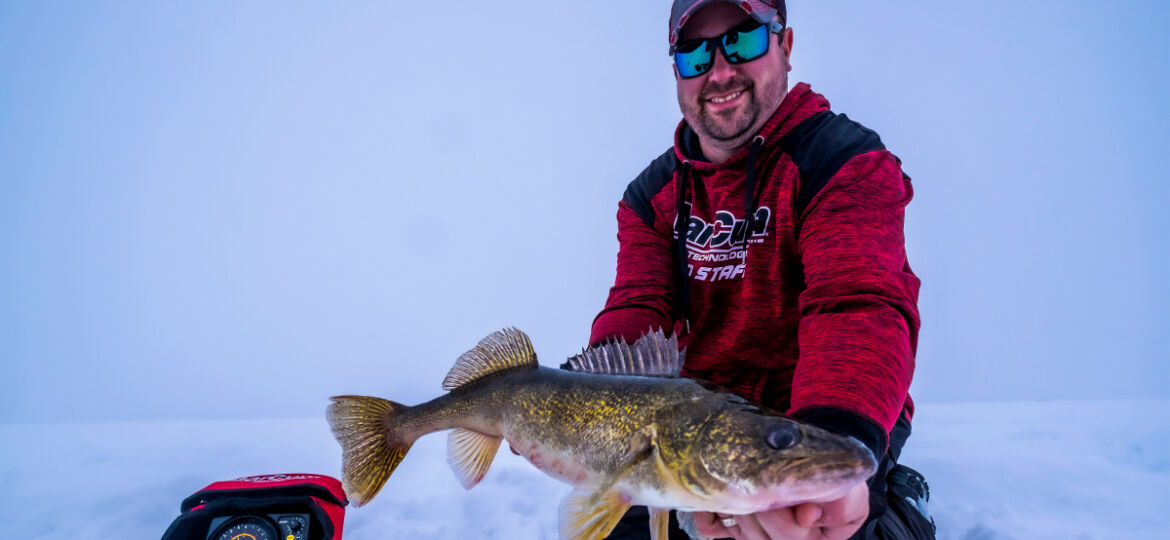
{"x":653,"y":355}
{"x":504,"y":349}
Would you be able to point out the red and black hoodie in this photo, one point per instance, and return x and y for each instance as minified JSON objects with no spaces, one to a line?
{"x":797,"y":288}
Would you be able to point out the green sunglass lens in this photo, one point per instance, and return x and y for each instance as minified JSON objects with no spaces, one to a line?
{"x":693,"y":59}
{"x":746,"y":45}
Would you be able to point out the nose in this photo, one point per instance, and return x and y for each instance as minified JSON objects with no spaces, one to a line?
{"x":782,"y":437}
{"x":721,"y":69}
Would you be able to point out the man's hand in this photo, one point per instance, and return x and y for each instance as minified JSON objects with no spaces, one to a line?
{"x":832,"y":520}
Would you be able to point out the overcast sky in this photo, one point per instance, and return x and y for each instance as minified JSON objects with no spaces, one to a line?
{"x":225,"y":209}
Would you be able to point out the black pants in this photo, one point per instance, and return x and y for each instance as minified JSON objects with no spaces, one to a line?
{"x":897,"y":498}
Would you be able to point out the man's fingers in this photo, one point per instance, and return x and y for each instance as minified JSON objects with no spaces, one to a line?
{"x":843,"y":511}
{"x":808,"y":514}
{"x":781,"y":523}
{"x":748,"y":528}
{"x":831,"y":520}
{"x":709,"y":525}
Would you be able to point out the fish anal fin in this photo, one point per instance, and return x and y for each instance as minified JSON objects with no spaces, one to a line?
{"x":590,"y":515}
{"x":653,"y":355}
{"x":504,"y":349}
{"x":659,"y":523}
{"x":470,"y":453}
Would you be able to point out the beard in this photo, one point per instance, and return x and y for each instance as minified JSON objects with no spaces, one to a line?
{"x":729,"y":125}
{"x":734,"y":127}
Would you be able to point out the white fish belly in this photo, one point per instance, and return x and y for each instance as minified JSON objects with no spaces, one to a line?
{"x":559,"y":464}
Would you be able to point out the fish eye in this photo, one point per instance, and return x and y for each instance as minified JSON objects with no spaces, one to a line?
{"x":782,"y":437}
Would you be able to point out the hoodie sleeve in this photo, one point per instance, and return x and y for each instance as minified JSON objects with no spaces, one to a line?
{"x":859,"y":316}
{"x":642,"y":297}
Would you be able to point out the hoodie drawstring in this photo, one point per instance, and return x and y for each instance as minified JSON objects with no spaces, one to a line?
{"x":682,"y":226}
{"x":750,"y":184}
{"x":683,"y":221}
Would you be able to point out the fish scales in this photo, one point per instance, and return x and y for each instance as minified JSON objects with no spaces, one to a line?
{"x":619,"y":439}
{"x":591,"y":419}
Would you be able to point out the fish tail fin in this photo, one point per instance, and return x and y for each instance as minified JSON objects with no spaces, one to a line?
{"x":370,"y":448}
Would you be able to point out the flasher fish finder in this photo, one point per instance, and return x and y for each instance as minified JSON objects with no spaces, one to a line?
{"x":265,"y":507}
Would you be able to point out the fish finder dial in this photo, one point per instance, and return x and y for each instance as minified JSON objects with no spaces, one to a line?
{"x":246,"y":528}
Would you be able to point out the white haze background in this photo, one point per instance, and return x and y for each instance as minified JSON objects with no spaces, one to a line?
{"x":217,"y":214}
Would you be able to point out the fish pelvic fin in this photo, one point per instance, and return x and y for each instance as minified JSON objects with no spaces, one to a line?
{"x":370,"y":451}
{"x":591,"y":515}
{"x":504,"y":349}
{"x":653,"y":355}
{"x":659,"y":524}
{"x":470,"y":453}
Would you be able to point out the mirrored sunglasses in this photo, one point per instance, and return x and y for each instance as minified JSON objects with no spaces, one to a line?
{"x":741,"y":44}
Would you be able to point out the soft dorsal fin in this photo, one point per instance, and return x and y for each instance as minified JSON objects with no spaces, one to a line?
{"x":505,"y":349}
{"x":653,"y":355}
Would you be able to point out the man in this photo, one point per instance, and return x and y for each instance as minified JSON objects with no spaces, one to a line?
{"x":770,"y":238}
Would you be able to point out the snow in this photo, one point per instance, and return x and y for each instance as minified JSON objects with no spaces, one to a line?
{"x":1008,"y":470}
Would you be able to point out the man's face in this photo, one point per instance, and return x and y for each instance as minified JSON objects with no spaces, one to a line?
{"x":729,"y":104}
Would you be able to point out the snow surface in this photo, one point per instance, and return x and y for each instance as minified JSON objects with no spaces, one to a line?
{"x":1020,"y":470}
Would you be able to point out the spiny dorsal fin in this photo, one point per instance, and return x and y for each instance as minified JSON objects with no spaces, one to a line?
{"x":653,"y":355}
{"x":505,"y":349}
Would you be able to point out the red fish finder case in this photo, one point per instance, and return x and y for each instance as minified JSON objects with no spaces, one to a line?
{"x":266,"y":507}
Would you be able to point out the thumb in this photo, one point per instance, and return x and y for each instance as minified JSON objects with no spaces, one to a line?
{"x":807,"y":514}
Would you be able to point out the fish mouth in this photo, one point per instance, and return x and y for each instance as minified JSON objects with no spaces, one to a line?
{"x":838,"y":476}
{"x":848,"y":467}
{"x":848,"y":462}
{"x":811,"y":477}
{"x":794,"y":492}
{"x":829,"y":481}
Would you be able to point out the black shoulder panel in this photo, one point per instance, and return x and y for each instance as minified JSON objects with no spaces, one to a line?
{"x":649,"y":183}
{"x":823,"y":144}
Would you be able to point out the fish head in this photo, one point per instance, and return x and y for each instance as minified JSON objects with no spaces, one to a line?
{"x":763,"y":459}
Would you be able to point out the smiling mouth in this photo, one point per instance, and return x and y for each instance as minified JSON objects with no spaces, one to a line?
{"x":725,"y":98}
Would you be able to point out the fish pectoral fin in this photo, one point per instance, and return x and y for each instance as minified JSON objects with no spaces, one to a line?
{"x":641,"y":447}
{"x":591,"y":515}
{"x":470,"y":453}
{"x":659,"y":523}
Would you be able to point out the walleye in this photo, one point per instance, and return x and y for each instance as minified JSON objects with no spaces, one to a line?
{"x":622,"y":428}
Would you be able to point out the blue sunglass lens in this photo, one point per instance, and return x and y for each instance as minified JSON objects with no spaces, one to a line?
{"x":740,"y":45}
{"x":745,"y":45}
{"x":694,"y":59}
